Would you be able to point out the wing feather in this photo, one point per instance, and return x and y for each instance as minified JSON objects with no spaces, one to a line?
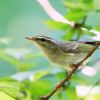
{"x":75,"y":47}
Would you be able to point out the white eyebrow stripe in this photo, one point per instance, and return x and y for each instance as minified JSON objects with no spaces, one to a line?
{"x":49,"y":39}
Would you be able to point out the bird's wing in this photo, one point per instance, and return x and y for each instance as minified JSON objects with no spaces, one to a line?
{"x":76,"y":47}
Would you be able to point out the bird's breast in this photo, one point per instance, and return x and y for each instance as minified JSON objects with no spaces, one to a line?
{"x":63,"y":59}
{"x":66,"y":60}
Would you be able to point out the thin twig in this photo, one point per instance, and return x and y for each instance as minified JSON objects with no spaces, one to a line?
{"x":55,"y":15}
{"x":80,"y":31}
{"x":75,"y":66}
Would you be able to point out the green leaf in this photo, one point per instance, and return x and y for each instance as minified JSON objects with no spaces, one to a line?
{"x":88,"y":26}
{"x":6,"y":68}
{"x":56,"y":25}
{"x":4,"y":96}
{"x":83,"y":5}
{"x":75,"y":15}
{"x":7,"y":57}
{"x":97,"y":28}
{"x":40,"y":88}
{"x":38,"y":75}
{"x":10,"y":88}
{"x":71,"y":91}
{"x":69,"y":35}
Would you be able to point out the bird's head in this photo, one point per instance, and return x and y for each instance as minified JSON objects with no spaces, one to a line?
{"x":44,"y":42}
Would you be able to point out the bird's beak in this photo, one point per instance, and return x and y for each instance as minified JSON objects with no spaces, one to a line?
{"x":30,"y":38}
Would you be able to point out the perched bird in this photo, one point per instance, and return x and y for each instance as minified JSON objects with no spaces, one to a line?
{"x":62,"y":53}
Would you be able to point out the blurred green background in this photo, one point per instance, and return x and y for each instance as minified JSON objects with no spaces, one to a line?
{"x":24,"y":73}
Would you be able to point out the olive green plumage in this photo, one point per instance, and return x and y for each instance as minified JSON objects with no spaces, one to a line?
{"x":61,"y":53}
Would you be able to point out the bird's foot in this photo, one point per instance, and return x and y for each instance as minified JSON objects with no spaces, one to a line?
{"x":75,"y":66}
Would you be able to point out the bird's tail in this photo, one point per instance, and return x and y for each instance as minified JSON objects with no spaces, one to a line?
{"x":93,"y":43}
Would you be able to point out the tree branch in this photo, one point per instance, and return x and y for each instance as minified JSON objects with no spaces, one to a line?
{"x":75,"y":67}
{"x":58,"y":17}
{"x":79,"y":33}
{"x":53,"y":13}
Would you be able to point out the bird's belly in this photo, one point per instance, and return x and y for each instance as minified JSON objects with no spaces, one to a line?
{"x":65,"y":61}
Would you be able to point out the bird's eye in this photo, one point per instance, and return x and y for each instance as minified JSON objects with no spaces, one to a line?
{"x":43,"y":39}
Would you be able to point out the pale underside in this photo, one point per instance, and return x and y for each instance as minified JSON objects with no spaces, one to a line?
{"x":65,"y":54}
{"x":68,"y":55}
{"x":68,"y":59}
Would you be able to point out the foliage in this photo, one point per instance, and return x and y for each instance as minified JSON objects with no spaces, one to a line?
{"x":26,"y":75}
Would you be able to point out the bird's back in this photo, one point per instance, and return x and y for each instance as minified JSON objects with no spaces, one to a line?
{"x":75,"y":47}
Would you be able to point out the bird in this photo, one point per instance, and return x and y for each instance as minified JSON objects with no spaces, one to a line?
{"x":62,"y":53}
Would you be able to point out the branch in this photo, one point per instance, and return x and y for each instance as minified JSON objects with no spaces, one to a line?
{"x":53,"y":13}
{"x":58,"y":17}
{"x":79,"y":33}
{"x":75,"y":67}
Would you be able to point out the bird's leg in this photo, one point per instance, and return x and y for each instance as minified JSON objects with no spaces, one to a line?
{"x":75,"y":66}
{"x":72,"y":68}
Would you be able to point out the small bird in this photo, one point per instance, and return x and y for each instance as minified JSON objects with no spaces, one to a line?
{"x":62,"y":53}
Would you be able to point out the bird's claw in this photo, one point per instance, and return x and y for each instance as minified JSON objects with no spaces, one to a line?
{"x":73,"y":66}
